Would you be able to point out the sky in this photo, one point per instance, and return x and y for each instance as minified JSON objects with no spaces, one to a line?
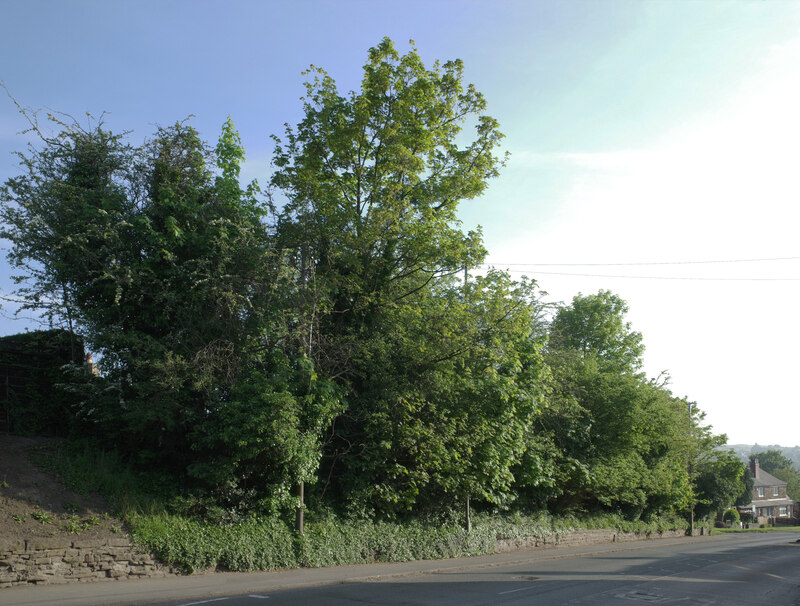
{"x":653,"y":146}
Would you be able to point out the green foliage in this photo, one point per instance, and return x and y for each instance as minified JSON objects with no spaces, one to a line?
{"x":42,"y":516}
{"x":334,"y":542}
{"x":343,"y":347}
{"x":610,"y":439}
{"x":746,"y":496}
{"x":87,"y":469}
{"x":731,"y":516}
{"x":436,"y":373}
{"x":718,"y":482}
{"x":771,"y":460}
{"x":74,"y":525}
{"x":267,"y":543}
{"x":266,"y":437}
{"x":594,"y":326}
{"x":255,"y":544}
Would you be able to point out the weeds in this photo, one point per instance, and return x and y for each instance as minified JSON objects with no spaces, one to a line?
{"x":74,"y":525}
{"x":42,"y":516}
{"x":85,"y":469}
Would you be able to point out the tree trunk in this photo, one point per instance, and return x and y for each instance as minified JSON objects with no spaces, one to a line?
{"x":469,"y":519}
{"x":299,"y":519}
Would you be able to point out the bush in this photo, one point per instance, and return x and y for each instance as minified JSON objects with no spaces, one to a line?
{"x":731,"y":516}
{"x":268,"y":543}
{"x":334,"y":542}
{"x":255,"y":544}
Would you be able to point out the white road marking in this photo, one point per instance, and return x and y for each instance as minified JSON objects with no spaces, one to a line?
{"x":514,"y":590}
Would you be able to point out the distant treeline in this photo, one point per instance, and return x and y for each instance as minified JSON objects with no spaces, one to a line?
{"x":743,"y":451}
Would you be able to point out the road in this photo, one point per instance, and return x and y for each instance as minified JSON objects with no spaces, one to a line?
{"x":728,"y":570}
{"x":747,"y":570}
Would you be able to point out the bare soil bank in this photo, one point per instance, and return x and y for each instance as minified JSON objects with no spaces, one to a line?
{"x":35,"y":503}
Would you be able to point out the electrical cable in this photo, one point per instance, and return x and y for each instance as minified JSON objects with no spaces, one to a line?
{"x":647,"y":263}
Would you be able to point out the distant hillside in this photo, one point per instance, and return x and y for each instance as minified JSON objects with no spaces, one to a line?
{"x":745,"y":450}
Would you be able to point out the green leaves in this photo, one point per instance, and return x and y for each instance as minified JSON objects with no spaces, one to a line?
{"x":594,"y":325}
{"x":352,"y":341}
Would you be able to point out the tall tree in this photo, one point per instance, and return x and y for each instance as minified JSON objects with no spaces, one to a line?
{"x":62,"y":214}
{"x":373,"y":180}
{"x":609,"y":437}
{"x":594,"y":325}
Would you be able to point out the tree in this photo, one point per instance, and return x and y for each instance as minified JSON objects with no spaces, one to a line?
{"x":595,"y":325}
{"x":718,"y":482}
{"x":373,"y":180}
{"x":746,"y":496}
{"x":609,"y":438}
{"x":771,"y":460}
{"x":61,"y":214}
{"x":161,"y":260}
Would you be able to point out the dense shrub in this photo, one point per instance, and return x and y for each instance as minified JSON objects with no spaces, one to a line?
{"x":269,"y":543}
{"x":255,"y":544}
{"x":731,"y":516}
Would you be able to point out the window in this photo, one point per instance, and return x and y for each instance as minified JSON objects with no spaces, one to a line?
{"x":783,"y":512}
{"x":760,"y":491}
{"x":775,"y":491}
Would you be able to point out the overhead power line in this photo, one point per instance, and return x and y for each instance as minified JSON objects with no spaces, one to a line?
{"x":701,"y":279}
{"x":644,"y":263}
{"x":531,"y":268}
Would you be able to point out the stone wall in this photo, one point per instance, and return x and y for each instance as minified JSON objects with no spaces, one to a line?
{"x":58,"y":560}
{"x":55,"y":560}
{"x":581,"y":537}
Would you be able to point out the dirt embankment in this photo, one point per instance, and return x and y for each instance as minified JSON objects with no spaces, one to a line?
{"x":35,"y":503}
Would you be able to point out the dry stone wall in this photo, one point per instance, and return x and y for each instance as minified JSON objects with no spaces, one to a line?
{"x":58,"y":560}
{"x":581,"y":537}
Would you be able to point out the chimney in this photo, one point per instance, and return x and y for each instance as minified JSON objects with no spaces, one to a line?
{"x":755,"y":468}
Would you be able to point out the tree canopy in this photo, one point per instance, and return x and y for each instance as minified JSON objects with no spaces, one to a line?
{"x":345,"y":344}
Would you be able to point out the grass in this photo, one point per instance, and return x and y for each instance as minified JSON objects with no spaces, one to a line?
{"x":84,"y":469}
{"x":765,"y":529}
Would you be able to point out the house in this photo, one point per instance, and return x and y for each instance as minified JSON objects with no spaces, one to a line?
{"x":769,"y":495}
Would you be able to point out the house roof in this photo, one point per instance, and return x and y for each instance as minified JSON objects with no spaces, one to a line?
{"x":771,"y":502}
{"x":765,"y":479}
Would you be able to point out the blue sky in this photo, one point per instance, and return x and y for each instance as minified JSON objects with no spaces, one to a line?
{"x":638,"y":131}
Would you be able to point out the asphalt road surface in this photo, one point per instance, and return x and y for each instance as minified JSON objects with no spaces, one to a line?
{"x":746,"y":570}
{"x":724,"y":570}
